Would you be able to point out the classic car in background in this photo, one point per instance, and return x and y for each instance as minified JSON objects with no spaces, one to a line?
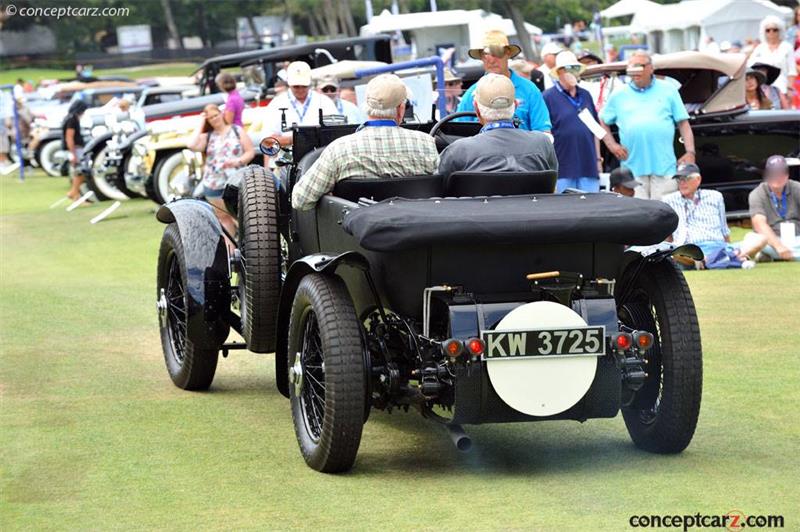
{"x":732,"y":141}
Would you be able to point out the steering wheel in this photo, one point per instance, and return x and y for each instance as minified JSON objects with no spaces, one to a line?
{"x":449,"y":118}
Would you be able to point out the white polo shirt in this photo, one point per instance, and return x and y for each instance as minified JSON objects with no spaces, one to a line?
{"x":304,"y":114}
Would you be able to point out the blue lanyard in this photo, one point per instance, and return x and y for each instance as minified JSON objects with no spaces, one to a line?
{"x":305,"y":106}
{"x":782,"y":209}
{"x":380,"y":123}
{"x":339,"y":106}
{"x":577,"y":104}
{"x":500,"y":124}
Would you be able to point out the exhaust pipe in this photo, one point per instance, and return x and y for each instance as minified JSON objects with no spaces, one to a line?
{"x":459,"y":437}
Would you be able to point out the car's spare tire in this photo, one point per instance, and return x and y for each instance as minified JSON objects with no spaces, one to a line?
{"x":189,"y":367}
{"x":327,"y":385}
{"x":260,"y":272}
{"x":662,"y":415}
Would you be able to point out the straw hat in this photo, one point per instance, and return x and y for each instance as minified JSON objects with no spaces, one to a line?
{"x":494,"y":39}
{"x":566,"y":59}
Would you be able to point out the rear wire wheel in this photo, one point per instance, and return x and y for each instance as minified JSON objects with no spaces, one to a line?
{"x":326,"y":374}
{"x":260,"y":248}
{"x":189,"y":366}
{"x":662,"y":416}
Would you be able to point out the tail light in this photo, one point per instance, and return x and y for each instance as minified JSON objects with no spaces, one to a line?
{"x":476,"y":346}
{"x":623,"y":341}
{"x":643,"y":339}
{"x":452,"y":347}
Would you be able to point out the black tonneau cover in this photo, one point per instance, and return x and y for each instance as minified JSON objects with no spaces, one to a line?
{"x":400,"y":224}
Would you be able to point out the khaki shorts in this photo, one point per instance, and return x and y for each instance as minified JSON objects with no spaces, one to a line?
{"x":655,"y":186}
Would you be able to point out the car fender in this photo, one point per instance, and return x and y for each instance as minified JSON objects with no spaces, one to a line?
{"x":633,"y":260}
{"x":130,"y":139}
{"x":207,"y":270}
{"x":324,"y":263}
{"x":97,"y":142}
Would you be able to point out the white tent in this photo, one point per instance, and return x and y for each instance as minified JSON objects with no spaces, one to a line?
{"x":460,"y":28}
{"x":685,"y":25}
{"x":623,"y":8}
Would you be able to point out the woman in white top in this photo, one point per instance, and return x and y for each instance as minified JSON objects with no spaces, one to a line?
{"x":776,"y":51}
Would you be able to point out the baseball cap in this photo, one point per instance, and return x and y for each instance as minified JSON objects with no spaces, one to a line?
{"x":386,"y":91}
{"x":495,"y":91}
{"x":298,"y":73}
{"x":329,"y":81}
{"x":776,"y":165}
{"x":494,"y":39}
{"x":686,"y":170}
{"x":551,"y":48}
{"x":622,"y":176}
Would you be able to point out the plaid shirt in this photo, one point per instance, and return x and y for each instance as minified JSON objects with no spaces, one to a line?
{"x":377,"y":152}
{"x":700,"y":219}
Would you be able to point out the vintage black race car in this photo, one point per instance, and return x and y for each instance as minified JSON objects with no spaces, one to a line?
{"x":472,"y":298}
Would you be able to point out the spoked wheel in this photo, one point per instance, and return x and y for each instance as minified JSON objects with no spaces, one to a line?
{"x":662,"y":415}
{"x":326,"y":374}
{"x":260,"y":246}
{"x":189,"y":367}
{"x":129,"y":178}
{"x":101,"y":181}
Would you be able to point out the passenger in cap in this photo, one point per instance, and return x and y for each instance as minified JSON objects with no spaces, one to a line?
{"x":379,"y":148}
{"x":495,"y":54}
{"x":330,"y":88}
{"x":500,"y":146}
{"x":302,"y":105}
{"x":621,"y":181}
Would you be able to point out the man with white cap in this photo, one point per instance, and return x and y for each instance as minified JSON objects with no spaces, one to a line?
{"x":330,"y":87}
{"x":495,"y":54}
{"x":378,"y":149}
{"x":549,"y":53}
{"x":500,"y":146}
{"x":302,"y":105}
{"x":578,"y":150}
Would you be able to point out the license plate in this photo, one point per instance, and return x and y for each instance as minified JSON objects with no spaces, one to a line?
{"x":572,"y":341}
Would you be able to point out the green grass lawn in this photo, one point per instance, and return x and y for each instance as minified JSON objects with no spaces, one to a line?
{"x":93,"y":435}
{"x":36,"y":74}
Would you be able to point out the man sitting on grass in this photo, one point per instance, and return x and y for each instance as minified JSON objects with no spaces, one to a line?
{"x":773,"y":203}
{"x":701,"y":221}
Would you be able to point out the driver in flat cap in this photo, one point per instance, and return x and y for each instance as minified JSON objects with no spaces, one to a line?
{"x":500,"y":146}
{"x":495,"y":54}
{"x":378,"y":149}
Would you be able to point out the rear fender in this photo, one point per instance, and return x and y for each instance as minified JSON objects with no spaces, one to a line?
{"x":323,"y":263}
{"x":97,"y":143}
{"x":634,"y":261}
{"x":129,"y":140}
{"x":207,"y":269}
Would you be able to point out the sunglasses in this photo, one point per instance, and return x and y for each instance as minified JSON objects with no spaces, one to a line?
{"x":452,"y":83}
{"x":329,"y":89}
{"x":770,"y":30}
{"x":494,"y":51}
{"x":573,"y":69}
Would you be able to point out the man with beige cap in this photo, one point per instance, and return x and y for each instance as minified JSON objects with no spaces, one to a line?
{"x":500,"y":146}
{"x":495,"y":54}
{"x":379,"y":148}
{"x":301,"y":104}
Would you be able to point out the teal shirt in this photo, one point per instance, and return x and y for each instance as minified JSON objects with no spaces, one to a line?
{"x":646,"y":121}
{"x":531,"y":110}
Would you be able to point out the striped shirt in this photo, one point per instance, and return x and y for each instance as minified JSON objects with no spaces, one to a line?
{"x":383,"y":151}
{"x":700,"y":219}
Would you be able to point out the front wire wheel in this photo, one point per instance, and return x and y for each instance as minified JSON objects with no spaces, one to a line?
{"x":326,"y":374}
{"x":662,"y":415}
{"x":189,"y":366}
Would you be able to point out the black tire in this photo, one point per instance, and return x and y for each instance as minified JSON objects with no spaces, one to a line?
{"x":328,"y":403}
{"x":100,"y":181}
{"x":151,"y":182}
{"x":662,"y":416}
{"x":260,"y":274}
{"x":189,"y":367}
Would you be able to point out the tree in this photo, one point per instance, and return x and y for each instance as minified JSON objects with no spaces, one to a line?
{"x":519,"y":24}
{"x":175,"y":38}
